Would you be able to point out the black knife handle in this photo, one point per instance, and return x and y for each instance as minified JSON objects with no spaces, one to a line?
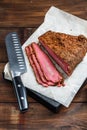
{"x":20,"y":93}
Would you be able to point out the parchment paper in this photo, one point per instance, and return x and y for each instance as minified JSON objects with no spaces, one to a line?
{"x":59,"y":21}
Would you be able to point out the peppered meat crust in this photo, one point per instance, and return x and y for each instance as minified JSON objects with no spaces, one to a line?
{"x":70,"y":49}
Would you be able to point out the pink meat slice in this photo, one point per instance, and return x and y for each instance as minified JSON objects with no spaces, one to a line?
{"x":37,"y":65}
{"x":44,"y":80}
{"x":47,"y":66}
{"x":34,"y":67}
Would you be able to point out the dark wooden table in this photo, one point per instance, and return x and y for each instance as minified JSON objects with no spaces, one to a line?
{"x":24,"y":17}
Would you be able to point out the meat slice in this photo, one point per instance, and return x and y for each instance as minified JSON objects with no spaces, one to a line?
{"x":36,"y":64}
{"x":38,"y":78}
{"x":47,"y":67}
{"x":65,"y":49}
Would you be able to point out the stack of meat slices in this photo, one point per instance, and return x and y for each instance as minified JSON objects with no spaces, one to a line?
{"x":67,"y":50}
{"x":45,"y":72}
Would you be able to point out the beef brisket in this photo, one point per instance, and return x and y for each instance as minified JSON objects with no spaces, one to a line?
{"x":65,"y":49}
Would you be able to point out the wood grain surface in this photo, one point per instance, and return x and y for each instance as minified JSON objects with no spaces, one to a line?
{"x":24,"y":17}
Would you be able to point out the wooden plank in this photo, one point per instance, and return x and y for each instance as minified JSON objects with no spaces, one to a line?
{"x":28,"y":32}
{"x":40,"y":118}
{"x":81,"y":96}
{"x":26,"y":13}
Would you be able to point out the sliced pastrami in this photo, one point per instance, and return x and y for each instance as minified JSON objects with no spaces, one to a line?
{"x":50,"y":72}
{"x":38,"y":78}
{"x":44,"y":80}
{"x":36,"y":68}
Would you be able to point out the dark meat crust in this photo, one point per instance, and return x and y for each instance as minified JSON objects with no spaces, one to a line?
{"x":71,"y":49}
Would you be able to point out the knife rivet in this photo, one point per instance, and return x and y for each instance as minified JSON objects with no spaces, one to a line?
{"x":19,"y":85}
{"x":22,"y":98}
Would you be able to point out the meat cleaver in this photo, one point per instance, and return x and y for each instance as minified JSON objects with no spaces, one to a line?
{"x":17,"y":68}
